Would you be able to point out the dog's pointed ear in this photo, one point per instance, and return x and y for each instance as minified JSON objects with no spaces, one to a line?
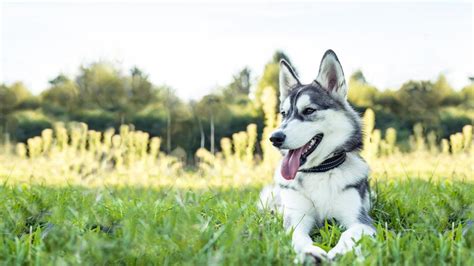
{"x":288,"y":79}
{"x":331,"y":75}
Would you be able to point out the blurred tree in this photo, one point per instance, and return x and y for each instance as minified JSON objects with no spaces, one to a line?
{"x":270,"y":76}
{"x":61,"y":78}
{"x":446,"y":94}
{"x":101,"y":86}
{"x":27,"y":124}
{"x":419,"y":101}
{"x":212,"y":106}
{"x":238,"y":90}
{"x":7,"y":105}
{"x":358,"y":76}
{"x":12,"y":98}
{"x":202,"y":134}
{"x":142,"y":92}
{"x":442,"y":86}
{"x":21,"y":92}
{"x":176,"y":112}
{"x":62,"y":97}
{"x":25,"y":100}
{"x":467,"y":94}
{"x":387,"y":100}
{"x":360,"y":92}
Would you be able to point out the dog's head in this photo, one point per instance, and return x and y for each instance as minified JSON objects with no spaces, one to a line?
{"x":317,"y":119}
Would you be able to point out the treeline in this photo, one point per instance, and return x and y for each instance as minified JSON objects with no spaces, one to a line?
{"x":436,"y":105}
{"x":103,"y":97}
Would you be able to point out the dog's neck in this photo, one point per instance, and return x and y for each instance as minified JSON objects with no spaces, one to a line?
{"x":331,"y":145}
{"x":330,"y":163}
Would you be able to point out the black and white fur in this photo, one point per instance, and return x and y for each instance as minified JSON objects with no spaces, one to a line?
{"x":341,"y":193}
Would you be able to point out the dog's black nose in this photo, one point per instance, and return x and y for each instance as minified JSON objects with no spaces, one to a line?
{"x":277,"y":138}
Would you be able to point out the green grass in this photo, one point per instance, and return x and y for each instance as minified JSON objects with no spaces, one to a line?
{"x":418,"y":222}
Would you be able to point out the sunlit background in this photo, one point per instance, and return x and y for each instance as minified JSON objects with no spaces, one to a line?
{"x":196,"y":48}
{"x":194,"y":73}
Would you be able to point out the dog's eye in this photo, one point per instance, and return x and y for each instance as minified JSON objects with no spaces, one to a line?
{"x":283,"y":113}
{"x":309,"y":111}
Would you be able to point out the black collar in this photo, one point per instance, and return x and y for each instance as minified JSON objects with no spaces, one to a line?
{"x":327,"y":164}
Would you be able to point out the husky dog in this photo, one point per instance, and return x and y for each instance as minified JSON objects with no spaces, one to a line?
{"x":321,"y":175}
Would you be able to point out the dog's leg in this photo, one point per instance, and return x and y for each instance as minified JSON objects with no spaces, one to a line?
{"x":301,"y":241}
{"x":349,"y":239}
{"x":299,"y":217}
{"x":357,"y":221}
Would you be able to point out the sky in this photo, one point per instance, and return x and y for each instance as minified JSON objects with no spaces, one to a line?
{"x":195,"y":48}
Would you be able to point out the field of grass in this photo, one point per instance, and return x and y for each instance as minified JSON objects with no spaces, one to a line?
{"x":115,"y":199}
{"x":418,"y":222}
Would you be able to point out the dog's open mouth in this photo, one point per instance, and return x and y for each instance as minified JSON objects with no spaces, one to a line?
{"x":297,"y":157}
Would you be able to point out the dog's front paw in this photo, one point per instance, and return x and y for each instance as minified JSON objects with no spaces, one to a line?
{"x":336,"y":251}
{"x":313,"y":255}
{"x":342,"y":248}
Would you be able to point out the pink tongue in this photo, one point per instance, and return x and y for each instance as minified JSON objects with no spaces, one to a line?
{"x":291,"y":163}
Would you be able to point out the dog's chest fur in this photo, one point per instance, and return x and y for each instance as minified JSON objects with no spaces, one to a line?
{"x":327,"y":190}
